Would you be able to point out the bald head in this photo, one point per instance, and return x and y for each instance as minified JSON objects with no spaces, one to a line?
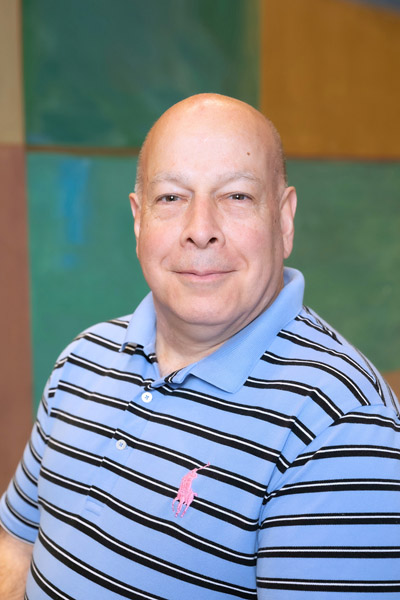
{"x":212,"y":110}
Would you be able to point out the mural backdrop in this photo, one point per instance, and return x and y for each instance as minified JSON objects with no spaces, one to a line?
{"x":83,"y":82}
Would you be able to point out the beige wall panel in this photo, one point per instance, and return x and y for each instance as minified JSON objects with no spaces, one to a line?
{"x":11,"y":113}
{"x":330,"y":77}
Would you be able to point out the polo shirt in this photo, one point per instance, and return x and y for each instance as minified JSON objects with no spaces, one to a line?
{"x":268,"y":469}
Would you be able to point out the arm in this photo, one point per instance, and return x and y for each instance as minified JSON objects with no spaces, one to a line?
{"x":15,"y":557}
{"x":331,"y":527}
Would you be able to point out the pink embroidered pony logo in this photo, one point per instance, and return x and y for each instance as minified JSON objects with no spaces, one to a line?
{"x":185,"y":493}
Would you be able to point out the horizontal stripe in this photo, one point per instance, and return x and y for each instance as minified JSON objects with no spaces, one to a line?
{"x":296,"y":338}
{"x":337,"y":485}
{"x":131,"y":349}
{"x":27,"y":472}
{"x":40,"y":431}
{"x":366,"y":419}
{"x":49,"y":588}
{"x":44,"y":404}
{"x":23,"y":495}
{"x":239,"y":520}
{"x":236,"y":442}
{"x":152,"y":522}
{"x":314,"y":364}
{"x":119,"y":322}
{"x":34,"y":453}
{"x":318,"y":325}
{"x":112,"y":373}
{"x":186,"y":461}
{"x":257,"y":412}
{"x":93,"y":426}
{"x":304,"y":585}
{"x":18,"y":516}
{"x":83,"y":455}
{"x":133,"y":554}
{"x":90,"y":573}
{"x":303,"y":389}
{"x":223,"y":437}
{"x":93,"y":396}
{"x":332,"y":519}
{"x":102,"y":341}
{"x":347,"y":451}
{"x":331,"y":552}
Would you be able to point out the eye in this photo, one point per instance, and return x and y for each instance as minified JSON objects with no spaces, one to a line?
{"x":168,"y":198}
{"x":239,"y":197}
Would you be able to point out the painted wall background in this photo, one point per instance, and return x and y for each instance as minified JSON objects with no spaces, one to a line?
{"x":95,"y":75}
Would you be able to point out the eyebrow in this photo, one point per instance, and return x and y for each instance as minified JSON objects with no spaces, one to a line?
{"x":181,"y":178}
{"x":169,"y":176}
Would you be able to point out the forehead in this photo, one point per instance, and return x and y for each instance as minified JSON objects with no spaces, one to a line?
{"x":214,"y":143}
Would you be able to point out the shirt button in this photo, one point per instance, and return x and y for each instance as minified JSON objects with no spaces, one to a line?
{"x":147,"y":397}
{"x":120,"y":445}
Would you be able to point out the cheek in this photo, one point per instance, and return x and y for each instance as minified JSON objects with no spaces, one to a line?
{"x":253,"y":241}
{"x":264,"y":252}
{"x":154,"y":243}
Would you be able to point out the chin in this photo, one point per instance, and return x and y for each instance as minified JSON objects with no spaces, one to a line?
{"x":202,"y":315}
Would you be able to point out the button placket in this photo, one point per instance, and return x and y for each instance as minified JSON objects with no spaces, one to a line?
{"x":147,"y":397}
{"x":120,"y":444}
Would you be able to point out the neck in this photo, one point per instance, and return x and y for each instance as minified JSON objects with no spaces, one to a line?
{"x":179,"y":343}
{"x":176,"y":350}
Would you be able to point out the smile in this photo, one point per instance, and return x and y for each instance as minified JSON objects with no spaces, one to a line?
{"x":203,"y":276}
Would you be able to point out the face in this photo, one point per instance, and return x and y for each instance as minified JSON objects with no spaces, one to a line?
{"x":211,"y":232}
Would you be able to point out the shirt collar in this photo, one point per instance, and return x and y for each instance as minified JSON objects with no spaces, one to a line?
{"x":228,"y":367}
{"x":141,"y":330}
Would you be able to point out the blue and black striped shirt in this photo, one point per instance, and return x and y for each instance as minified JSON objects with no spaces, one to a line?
{"x":269,"y":469}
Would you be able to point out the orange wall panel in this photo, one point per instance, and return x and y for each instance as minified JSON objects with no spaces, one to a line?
{"x":329,"y":77}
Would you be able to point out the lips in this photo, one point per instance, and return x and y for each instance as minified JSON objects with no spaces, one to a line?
{"x":198,"y":276}
{"x":203,"y":273}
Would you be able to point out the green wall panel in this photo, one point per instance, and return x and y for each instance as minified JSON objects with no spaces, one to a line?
{"x":99,"y":73}
{"x":348,"y":246}
{"x":82,"y":249}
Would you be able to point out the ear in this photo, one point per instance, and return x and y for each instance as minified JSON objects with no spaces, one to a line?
{"x":136,"y":211}
{"x":287,"y":208}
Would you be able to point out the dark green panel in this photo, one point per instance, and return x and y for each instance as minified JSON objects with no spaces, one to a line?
{"x":348,"y":246}
{"x":99,"y":73}
{"x":83,"y":263}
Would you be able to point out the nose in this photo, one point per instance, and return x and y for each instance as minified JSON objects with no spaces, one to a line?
{"x":202,"y":226}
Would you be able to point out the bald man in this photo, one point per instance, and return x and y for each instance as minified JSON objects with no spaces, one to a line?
{"x":223,"y":441}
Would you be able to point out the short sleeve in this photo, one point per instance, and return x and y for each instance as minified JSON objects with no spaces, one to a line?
{"x":20,"y":504}
{"x":19,"y":508}
{"x":331,"y":527}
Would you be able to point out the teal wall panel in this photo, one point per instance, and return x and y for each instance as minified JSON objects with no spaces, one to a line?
{"x":348,"y":246}
{"x":392,"y":4}
{"x":84,"y":268}
{"x":99,"y":73}
{"x":82,"y":249}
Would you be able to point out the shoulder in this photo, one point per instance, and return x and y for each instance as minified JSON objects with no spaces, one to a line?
{"x":318,"y":356}
{"x":109,"y":333}
{"x":91,"y":344}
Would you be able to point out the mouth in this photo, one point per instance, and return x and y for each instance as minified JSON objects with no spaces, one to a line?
{"x":203,"y":276}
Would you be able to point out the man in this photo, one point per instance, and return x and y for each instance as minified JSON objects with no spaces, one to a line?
{"x":223,"y":442}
